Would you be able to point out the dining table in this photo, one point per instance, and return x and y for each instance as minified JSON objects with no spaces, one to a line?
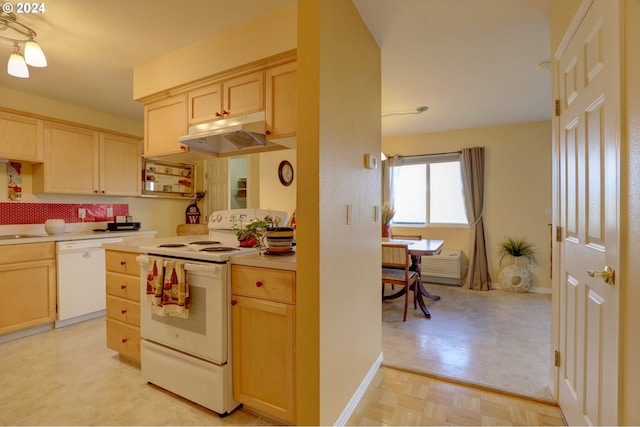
{"x":417,"y":249}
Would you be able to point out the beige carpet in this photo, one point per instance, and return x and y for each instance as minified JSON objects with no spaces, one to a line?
{"x":495,"y":339}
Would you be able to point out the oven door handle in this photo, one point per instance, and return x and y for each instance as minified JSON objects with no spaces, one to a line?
{"x":209,"y":269}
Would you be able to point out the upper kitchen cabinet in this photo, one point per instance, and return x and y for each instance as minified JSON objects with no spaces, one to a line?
{"x":205,"y":104}
{"x":164,"y":121}
{"x":120,"y":165}
{"x":232,"y":97}
{"x":21,"y":137}
{"x":244,"y":94}
{"x":84,"y":161}
{"x":281,"y":101}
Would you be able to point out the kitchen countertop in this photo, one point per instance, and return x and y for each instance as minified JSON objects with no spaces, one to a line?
{"x":280,"y":262}
{"x":133,"y":245}
{"x":80,"y":235}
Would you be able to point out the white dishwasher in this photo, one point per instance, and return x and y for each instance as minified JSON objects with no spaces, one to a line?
{"x":81,"y":280}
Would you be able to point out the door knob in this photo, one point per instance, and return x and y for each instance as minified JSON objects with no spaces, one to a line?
{"x":608,"y":275}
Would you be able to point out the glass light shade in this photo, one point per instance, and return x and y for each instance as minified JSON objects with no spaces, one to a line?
{"x":17,"y":67}
{"x":33,"y":55}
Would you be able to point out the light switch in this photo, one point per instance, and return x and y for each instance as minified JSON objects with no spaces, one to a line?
{"x":82,"y":213}
{"x":109,"y":212}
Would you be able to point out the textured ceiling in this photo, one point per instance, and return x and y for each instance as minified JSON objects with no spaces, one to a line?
{"x":472,"y":62}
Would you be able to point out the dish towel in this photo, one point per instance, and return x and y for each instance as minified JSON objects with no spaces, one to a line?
{"x":175,"y":292}
{"x":155,"y":279}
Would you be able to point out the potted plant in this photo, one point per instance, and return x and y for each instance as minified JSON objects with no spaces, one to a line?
{"x":516,"y":277}
{"x":388,"y":212}
{"x":251,"y":233}
{"x":517,"y":248}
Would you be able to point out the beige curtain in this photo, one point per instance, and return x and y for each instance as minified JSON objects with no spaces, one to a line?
{"x":388,"y":180}
{"x":473,"y":183}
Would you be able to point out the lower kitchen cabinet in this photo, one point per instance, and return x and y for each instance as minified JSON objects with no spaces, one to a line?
{"x":263,"y":327}
{"x":123,"y":303}
{"x":27,"y":286}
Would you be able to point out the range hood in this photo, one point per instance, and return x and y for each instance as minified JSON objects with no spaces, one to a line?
{"x":228,"y":136}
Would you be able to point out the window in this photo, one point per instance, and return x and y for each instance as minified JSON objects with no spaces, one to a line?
{"x":428,"y":190}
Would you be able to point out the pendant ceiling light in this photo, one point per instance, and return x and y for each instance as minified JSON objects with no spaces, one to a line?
{"x":17,"y":67}
{"x":19,"y":34}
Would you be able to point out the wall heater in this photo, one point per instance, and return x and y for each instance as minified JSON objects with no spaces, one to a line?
{"x":449,"y":267}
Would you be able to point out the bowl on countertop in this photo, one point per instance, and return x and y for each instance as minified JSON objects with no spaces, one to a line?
{"x":54,"y":226}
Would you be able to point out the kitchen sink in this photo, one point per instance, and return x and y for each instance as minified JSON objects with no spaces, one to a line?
{"x":18,"y":236}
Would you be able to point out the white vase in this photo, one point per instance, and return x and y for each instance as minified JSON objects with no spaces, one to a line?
{"x":514,"y":277}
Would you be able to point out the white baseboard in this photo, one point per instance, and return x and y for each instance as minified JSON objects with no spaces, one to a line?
{"x":355,"y":399}
{"x":533,"y":290}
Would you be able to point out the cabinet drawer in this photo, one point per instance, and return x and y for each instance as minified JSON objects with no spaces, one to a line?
{"x":122,"y":262}
{"x":264,"y":283}
{"x":10,"y":254}
{"x":123,"y":286}
{"x":124,"y":310}
{"x":123,"y":338}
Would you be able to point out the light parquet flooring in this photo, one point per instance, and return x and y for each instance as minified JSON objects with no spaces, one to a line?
{"x":401,"y":398}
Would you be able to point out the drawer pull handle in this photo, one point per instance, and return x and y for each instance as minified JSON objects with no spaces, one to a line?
{"x":123,"y":287}
{"x":258,"y":284}
{"x":123,"y":311}
{"x":123,"y":262}
{"x":124,"y":340}
{"x":233,"y":302}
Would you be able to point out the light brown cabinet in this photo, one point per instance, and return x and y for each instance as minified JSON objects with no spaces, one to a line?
{"x":269,"y":86}
{"x":27,"y":286}
{"x":164,"y":121}
{"x":281,"y":107}
{"x":123,"y":303}
{"x":21,"y":137}
{"x":232,"y":97}
{"x":263,"y":327}
{"x":205,"y":104}
{"x":84,"y":161}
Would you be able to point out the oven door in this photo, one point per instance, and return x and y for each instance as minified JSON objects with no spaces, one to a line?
{"x":204,"y":333}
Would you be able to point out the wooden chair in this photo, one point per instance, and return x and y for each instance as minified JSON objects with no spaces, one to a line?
{"x":395,"y":271}
{"x":192,"y":230}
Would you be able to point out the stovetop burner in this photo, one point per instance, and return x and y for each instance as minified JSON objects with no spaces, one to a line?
{"x":172,"y":245}
{"x":219,"y":249}
{"x":205,"y":242}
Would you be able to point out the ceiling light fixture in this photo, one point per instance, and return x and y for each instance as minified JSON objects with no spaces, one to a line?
{"x":418,"y":110}
{"x":17,"y":33}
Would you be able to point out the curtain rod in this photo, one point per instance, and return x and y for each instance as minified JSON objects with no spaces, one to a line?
{"x":432,"y":154}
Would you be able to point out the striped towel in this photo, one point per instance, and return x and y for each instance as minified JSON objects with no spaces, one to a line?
{"x":175,"y":292}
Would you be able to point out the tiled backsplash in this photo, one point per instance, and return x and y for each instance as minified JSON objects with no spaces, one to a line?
{"x":38,"y":213}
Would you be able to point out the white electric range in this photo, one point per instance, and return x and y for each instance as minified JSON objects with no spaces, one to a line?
{"x":191,"y":356}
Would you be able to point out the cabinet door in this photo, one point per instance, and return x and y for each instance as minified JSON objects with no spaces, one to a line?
{"x":70,"y":162}
{"x":165,"y":121}
{"x":27,"y":295}
{"x":244,"y":94}
{"x":281,"y":101}
{"x":263,"y":356}
{"x":120,"y":166}
{"x":21,"y":138}
{"x":205,"y":104}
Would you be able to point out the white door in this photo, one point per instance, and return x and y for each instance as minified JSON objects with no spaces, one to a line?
{"x":218,"y":184}
{"x":587,"y":142}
